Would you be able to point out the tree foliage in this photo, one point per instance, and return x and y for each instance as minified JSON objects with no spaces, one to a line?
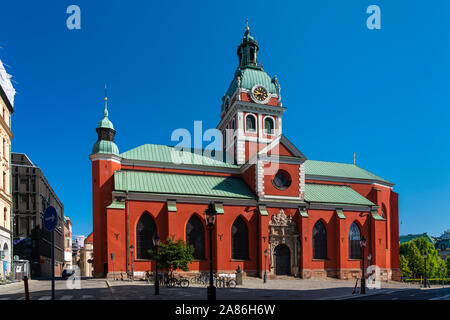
{"x":412,"y":261}
{"x":174,"y":255}
{"x":448,"y":267}
{"x":404,"y":268}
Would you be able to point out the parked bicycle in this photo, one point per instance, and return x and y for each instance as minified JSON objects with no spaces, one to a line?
{"x":170,"y":282}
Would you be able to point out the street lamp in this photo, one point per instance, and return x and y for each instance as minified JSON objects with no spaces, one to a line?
{"x":131,"y":253}
{"x":363,"y":242}
{"x":265,"y":269}
{"x":156,"y":241}
{"x":210,"y":218}
{"x":425,"y":256}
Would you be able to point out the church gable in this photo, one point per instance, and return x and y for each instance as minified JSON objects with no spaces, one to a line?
{"x":283,"y":147}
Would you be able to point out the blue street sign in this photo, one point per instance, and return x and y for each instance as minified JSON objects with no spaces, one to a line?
{"x":50,"y":218}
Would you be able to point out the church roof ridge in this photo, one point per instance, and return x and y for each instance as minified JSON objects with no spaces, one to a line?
{"x":341,"y":170}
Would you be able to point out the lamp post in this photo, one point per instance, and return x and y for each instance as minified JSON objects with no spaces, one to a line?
{"x":210,"y":218}
{"x":265,"y":268}
{"x":156,"y":241}
{"x":131,"y":253}
{"x":425,"y":256}
{"x":363,"y":242}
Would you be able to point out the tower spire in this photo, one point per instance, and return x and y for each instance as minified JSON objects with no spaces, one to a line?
{"x":247,"y":28}
{"x":105,"y":112}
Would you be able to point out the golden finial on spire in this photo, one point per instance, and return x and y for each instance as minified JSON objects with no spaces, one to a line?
{"x":246,"y":22}
{"x":106,"y":95}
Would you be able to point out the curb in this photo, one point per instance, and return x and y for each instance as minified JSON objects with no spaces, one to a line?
{"x":379,"y":291}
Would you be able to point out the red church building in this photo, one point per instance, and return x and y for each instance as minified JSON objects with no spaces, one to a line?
{"x":276,"y":209}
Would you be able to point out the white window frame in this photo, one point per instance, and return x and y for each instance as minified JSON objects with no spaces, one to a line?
{"x":256,"y":123}
{"x":264,"y":126}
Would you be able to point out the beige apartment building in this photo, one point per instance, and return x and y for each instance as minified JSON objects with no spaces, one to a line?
{"x":7,"y":93}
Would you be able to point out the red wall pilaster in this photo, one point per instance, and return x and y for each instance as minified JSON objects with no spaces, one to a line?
{"x":263,"y":242}
{"x":341,"y":244}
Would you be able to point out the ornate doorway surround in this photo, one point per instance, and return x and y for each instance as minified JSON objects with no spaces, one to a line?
{"x":282,"y":230}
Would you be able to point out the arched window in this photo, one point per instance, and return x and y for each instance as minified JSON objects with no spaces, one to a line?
{"x":239,"y":240}
{"x":319,"y":241}
{"x":195,"y":236}
{"x":354,"y":247}
{"x":268,"y":125}
{"x":250,"y":123}
{"x":145,"y":229}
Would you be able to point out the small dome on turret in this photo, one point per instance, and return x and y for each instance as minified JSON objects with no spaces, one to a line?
{"x":105,"y":122}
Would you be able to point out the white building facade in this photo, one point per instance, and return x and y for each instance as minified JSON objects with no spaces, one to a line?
{"x":7,"y":93}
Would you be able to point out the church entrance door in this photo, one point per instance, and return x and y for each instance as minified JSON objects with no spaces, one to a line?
{"x":282,"y":260}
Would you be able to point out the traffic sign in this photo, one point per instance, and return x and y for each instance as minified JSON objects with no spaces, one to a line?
{"x":50,"y":218}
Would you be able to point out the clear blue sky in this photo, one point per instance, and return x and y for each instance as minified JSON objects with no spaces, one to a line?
{"x":384,"y":94}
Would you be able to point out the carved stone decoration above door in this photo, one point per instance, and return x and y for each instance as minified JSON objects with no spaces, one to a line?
{"x":283,"y":231}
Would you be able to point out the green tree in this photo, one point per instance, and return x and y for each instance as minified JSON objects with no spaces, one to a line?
{"x":413,"y":252}
{"x":174,"y":255}
{"x":448,"y":267}
{"x":404,"y":268}
{"x":415,"y":260}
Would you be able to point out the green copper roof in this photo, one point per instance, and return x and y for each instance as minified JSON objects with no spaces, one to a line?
{"x":161,"y":153}
{"x":116,"y":205}
{"x":251,"y":76}
{"x":104,"y":146}
{"x":181,"y":184}
{"x":339,"y":170}
{"x":327,"y":193}
{"x":410,"y":237}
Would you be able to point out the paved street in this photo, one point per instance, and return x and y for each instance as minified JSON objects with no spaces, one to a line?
{"x":413,"y":294}
{"x":253,"y":288}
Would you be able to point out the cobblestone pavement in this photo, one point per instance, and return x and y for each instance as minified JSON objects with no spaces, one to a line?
{"x":253,"y":288}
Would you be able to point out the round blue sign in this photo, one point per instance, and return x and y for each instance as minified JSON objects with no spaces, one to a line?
{"x":50,"y":218}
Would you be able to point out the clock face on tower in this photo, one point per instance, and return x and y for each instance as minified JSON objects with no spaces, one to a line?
{"x":260,"y":94}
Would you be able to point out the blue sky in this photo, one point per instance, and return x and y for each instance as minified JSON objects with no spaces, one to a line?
{"x":384,"y":94}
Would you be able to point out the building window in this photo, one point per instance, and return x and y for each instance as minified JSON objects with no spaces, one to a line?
{"x":145,"y":229}
{"x":354,"y":236}
{"x":195,"y":236}
{"x":239,"y":240}
{"x":319,"y":241}
{"x":269,"y":125}
{"x":282,"y":180}
{"x":250,"y":123}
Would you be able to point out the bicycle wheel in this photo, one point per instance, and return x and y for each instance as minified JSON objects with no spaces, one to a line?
{"x":231,"y":284}
{"x":184,"y":283}
{"x":170,"y":283}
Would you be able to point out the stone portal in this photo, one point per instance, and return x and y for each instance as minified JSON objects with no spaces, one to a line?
{"x":284,"y":246}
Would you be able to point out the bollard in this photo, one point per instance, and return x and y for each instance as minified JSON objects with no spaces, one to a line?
{"x":27,"y":293}
{"x":239,"y":276}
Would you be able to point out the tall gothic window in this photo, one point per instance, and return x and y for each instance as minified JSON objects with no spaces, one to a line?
{"x":250,"y":123}
{"x":145,"y":229}
{"x":268,"y":125}
{"x":354,"y":236}
{"x":239,"y":240}
{"x":195,"y":236}
{"x":319,"y":241}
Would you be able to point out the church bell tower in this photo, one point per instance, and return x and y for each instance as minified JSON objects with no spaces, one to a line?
{"x":251,"y":108}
